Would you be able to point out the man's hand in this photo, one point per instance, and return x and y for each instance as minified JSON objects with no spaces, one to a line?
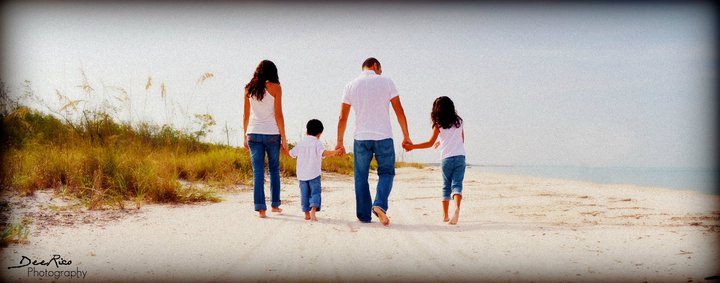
{"x":407,"y":146}
{"x":406,"y":143}
{"x":340,"y":150}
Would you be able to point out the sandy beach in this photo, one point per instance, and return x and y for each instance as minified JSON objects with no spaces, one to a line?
{"x":511,"y":229}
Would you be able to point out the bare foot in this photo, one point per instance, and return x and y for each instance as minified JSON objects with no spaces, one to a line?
{"x":312,"y":217}
{"x":381,"y":215}
{"x":262,"y":214}
{"x":446,"y":218}
{"x":307,"y":215}
{"x":276,"y":209}
{"x":454,"y":220}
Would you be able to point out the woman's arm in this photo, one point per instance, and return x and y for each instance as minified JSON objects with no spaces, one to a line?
{"x":276,"y":91}
{"x":427,"y":144}
{"x":246,"y":117}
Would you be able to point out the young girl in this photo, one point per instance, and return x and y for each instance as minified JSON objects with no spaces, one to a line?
{"x":448,"y":127}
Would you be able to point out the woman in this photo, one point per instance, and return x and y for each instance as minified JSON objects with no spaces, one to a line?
{"x":264,"y":128}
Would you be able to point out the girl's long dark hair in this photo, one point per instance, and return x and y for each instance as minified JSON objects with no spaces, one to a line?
{"x":443,"y":114}
{"x":265,"y":72}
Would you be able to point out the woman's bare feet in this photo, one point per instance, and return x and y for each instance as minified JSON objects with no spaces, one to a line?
{"x":307,"y":215}
{"x":312,"y":214}
{"x":381,"y":215}
{"x":446,"y":218}
{"x":455,"y":218}
{"x":276,"y":209}
{"x":262,"y":214}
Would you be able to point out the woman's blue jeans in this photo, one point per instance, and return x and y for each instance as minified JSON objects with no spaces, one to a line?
{"x":259,"y":146}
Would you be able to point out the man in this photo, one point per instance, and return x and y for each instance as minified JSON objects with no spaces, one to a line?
{"x":371,"y":96}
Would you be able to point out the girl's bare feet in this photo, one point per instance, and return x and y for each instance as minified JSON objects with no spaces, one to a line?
{"x":262,"y":214}
{"x":445,"y":204}
{"x":312,"y":214}
{"x":455,"y":218}
{"x":307,"y":215}
{"x":276,"y":209}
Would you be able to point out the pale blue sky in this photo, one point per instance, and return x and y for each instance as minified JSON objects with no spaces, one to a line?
{"x":590,"y":85}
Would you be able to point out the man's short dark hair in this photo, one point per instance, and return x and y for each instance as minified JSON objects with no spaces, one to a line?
{"x":314,"y":127}
{"x":369,"y":62}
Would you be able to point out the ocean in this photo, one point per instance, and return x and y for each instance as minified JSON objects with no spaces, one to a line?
{"x":701,"y":180}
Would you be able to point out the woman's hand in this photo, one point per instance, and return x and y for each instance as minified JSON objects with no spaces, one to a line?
{"x":245,"y":143}
{"x":284,"y":144}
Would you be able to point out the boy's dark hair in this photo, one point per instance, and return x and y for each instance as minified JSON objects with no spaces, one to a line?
{"x":443,"y":114}
{"x":369,"y":62}
{"x":314,"y":127}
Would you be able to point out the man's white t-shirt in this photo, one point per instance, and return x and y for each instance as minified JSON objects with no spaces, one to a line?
{"x":309,"y":153}
{"x":370,"y":95}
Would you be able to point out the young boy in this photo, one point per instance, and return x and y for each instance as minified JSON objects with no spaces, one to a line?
{"x":309,"y":153}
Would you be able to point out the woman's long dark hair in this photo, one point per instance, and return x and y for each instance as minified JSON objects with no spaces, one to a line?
{"x":265,"y":72}
{"x":443,"y":114}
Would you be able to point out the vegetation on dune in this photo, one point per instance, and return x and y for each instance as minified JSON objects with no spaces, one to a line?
{"x":84,"y":152}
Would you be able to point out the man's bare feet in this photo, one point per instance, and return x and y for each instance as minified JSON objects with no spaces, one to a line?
{"x":262,"y":214}
{"x":455,"y":218}
{"x":381,"y":215}
{"x":276,"y":209}
{"x":307,"y":215}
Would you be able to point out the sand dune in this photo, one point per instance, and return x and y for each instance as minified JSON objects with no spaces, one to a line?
{"x":511,"y":229}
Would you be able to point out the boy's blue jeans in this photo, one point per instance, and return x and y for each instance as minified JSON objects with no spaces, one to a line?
{"x":363,"y":152}
{"x":310,"y":194}
{"x":453,"y":171}
{"x":259,"y":146}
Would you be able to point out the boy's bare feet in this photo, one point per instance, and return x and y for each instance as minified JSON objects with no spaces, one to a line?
{"x":262,"y":214}
{"x":276,"y":209}
{"x":381,"y":215}
{"x":312,"y":215}
{"x":455,"y":218}
{"x":307,"y":215}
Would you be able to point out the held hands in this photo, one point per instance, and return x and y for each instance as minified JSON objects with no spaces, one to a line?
{"x":339,"y":150}
{"x":407,"y":144}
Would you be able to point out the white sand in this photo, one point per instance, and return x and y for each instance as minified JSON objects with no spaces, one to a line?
{"x":511,"y":229}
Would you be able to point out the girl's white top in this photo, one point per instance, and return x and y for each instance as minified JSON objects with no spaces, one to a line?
{"x":451,"y":142}
{"x":262,"y":116}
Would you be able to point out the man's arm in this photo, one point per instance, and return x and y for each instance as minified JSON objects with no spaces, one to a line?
{"x":400,"y":113}
{"x":342,"y":124}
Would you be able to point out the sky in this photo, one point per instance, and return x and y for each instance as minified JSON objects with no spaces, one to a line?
{"x":601,"y":85}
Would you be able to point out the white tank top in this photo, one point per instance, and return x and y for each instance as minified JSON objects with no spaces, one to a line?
{"x":262,"y":116}
{"x":451,"y":142}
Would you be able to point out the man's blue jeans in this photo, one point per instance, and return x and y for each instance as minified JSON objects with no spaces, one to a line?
{"x":259,"y":146}
{"x":363,"y":152}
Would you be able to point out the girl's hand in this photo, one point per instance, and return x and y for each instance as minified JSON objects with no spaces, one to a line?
{"x":408,"y":146}
{"x":436,"y":145}
{"x":245,"y":142}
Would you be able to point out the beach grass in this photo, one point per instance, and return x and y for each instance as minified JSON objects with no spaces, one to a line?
{"x":104,"y":163}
